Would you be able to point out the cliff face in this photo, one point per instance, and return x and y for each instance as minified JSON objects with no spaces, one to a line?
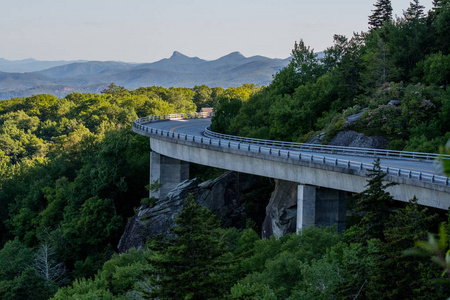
{"x":281,"y":212}
{"x":224,"y":196}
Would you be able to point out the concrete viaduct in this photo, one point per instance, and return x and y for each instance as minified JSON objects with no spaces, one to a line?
{"x":324,"y":174}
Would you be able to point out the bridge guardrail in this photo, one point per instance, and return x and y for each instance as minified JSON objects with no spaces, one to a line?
{"x":173,"y":117}
{"x":404,"y":155}
{"x":248,"y":144}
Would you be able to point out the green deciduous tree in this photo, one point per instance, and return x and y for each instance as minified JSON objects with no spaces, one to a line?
{"x":275,"y":269}
{"x":306,"y":63}
{"x":203,"y":96}
{"x":436,"y":68}
{"x":85,"y":289}
{"x":115,"y":90}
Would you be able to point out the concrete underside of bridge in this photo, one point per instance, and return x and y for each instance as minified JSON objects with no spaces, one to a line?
{"x":294,"y":170}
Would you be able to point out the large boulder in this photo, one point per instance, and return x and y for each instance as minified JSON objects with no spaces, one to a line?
{"x":350,"y":138}
{"x":223,"y":196}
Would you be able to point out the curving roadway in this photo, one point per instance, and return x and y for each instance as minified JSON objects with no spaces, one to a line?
{"x":196,"y":127}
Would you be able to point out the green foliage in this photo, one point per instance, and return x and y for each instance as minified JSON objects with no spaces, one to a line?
{"x":414,"y":11}
{"x":436,"y":69}
{"x":66,"y":168}
{"x":15,"y":258}
{"x":18,"y":279}
{"x":227,"y":105}
{"x":343,"y":272}
{"x":376,"y":204}
{"x":198,"y":251}
{"x":275,"y":267}
{"x":446,"y":162}
{"x":123,"y":272}
{"x":205,"y":96}
{"x":27,"y":285}
{"x":97,"y":216}
{"x":150,"y":202}
{"x":404,"y":227}
{"x":115,"y":90}
{"x":442,"y":23}
{"x":305,"y":62}
{"x":118,"y":276}
{"x":85,"y":289}
{"x":381,"y":14}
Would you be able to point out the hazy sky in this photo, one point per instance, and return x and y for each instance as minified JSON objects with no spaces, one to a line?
{"x":149,"y":30}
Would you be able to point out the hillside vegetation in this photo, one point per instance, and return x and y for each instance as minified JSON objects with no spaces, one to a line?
{"x":406,"y":59}
{"x":71,"y":173}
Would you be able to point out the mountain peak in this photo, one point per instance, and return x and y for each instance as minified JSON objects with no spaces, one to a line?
{"x":236,"y":54}
{"x":177,"y":54}
{"x":232,"y":58}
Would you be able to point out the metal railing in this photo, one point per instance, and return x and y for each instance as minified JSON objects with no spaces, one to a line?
{"x":173,"y":117}
{"x":259,"y":146}
{"x":366,"y":152}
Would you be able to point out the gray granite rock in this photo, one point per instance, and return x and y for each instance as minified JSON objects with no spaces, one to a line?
{"x":281,"y":212}
{"x":223,"y":196}
{"x":350,"y":138}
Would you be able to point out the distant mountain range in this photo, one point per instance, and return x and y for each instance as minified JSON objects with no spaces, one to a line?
{"x":30,"y":65}
{"x":28,"y":77}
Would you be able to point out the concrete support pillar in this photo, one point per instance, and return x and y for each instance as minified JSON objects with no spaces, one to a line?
{"x":320,"y":207}
{"x":168,"y":171}
{"x":306,"y":206}
{"x":331,"y":208}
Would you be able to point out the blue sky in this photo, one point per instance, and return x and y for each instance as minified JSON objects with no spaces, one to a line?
{"x":149,"y":30}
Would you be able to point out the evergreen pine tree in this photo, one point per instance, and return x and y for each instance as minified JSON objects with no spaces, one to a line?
{"x":194,"y":264}
{"x":397,"y":276}
{"x":381,"y":14}
{"x":375,"y":203}
{"x":437,"y":4}
{"x":414,"y":11}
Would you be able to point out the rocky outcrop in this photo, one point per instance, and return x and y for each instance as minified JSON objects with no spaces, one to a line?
{"x":350,"y":138}
{"x":353,"y":118}
{"x":281,"y":212}
{"x":223,"y":196}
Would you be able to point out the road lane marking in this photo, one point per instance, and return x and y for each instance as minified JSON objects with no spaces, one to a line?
{"x":171,"y":130}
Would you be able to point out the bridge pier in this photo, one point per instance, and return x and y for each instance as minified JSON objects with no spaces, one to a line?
{"x":320,"y":207}
{"x":168,"y":171}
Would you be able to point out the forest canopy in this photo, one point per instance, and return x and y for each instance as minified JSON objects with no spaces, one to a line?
{"x":70,"y":176}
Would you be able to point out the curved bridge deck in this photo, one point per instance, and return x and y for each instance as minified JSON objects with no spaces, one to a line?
{"x":184,"y":139}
